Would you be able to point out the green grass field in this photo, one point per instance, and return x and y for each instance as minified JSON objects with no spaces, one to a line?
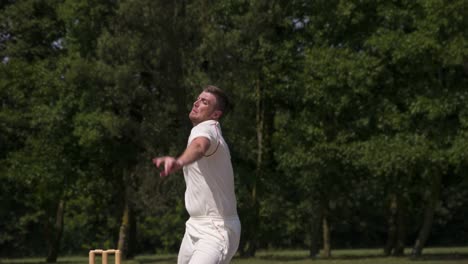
{"x":451,"y":255}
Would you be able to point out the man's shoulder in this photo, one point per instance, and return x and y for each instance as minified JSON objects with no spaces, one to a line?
{"x":209,"y":129}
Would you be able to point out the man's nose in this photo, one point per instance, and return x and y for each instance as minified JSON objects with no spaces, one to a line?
{"x":196,"y":103}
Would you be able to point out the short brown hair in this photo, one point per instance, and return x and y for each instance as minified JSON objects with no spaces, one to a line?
{"x":222,"y":100}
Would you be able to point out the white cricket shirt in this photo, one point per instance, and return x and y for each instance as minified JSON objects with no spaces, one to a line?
{"x":210,"y":180}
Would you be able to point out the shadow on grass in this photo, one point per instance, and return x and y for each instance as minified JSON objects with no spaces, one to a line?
{"x":280,"y":258}
{"x":426,"y":257}
{"x":447,"y":257}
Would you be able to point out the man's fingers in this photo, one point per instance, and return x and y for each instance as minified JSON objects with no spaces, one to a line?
{"x":155,"y":161}
{"x":170,"y":165}
{"x":158,"y":161}
{"x":166,"y":168}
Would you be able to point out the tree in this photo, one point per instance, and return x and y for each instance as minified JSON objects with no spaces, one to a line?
{"x":349,"y":116}
{"x":31,"y":31}
{"x":426,"y":82}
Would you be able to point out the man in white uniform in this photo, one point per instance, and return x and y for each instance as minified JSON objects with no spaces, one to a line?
{"x":213,"y":231}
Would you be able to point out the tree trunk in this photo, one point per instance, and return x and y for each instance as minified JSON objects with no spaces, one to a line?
{"x":260,"y":125}
{"x":326,"y":232}
{"x":127,"y":231}
{"x":424,"y":231}
{"x":391,"y":232}
{"x":396,"y":227}
{"x":428,"y":217}
{"x":264,"y":127}
{"x":172,"y":62}
{"x":401,"y":229}
{"x":54,"y":233}
{"x":314,"y":234}
{"x":253,"y":238}
{"x":247,"y":246}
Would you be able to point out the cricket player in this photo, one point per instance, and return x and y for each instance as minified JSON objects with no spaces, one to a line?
{"x":212,"y":232}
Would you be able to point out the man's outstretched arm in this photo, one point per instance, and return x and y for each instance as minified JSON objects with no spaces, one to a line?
{"x":195,"y":151}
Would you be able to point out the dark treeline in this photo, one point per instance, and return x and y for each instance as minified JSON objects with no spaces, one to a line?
{"x":350,"y":127}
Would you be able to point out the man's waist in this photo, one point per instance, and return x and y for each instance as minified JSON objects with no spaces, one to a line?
{"x":215,"y":217}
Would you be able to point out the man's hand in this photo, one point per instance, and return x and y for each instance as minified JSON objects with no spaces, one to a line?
{"x":194,"y":152}
{"x":171,"y":165}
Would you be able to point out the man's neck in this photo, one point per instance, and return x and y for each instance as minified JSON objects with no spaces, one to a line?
{"x":195,"y":124}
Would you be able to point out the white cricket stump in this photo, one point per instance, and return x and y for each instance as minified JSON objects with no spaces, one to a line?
{"x":104,"y":254}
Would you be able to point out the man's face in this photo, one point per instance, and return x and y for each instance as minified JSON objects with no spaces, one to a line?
{"x":204,"y":108}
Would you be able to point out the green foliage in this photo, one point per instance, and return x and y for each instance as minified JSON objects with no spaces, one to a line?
{"x":339,"y":105}
{"x":154,"y":229}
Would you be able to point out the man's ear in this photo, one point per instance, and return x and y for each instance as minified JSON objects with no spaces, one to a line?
{"x":217,"y":114}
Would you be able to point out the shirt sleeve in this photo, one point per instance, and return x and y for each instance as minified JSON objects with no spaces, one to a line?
{"x":209,"y":131}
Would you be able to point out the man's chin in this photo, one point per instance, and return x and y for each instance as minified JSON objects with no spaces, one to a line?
{"x":193,"y":119}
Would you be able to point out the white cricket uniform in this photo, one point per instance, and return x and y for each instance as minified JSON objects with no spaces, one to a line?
{"x":213,"y":231}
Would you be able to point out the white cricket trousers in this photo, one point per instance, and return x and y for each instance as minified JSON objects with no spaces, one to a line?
{"x":209,"y":240}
